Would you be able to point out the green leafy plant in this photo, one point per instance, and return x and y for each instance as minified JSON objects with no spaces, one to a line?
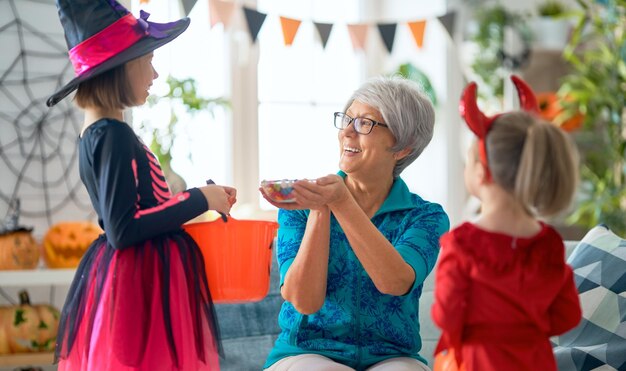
{"x":489,"y":37}
{"x":409,"y":71}
{"x":551,"y":8}
{"x":181,"y":96}
{"x":596,"y":87}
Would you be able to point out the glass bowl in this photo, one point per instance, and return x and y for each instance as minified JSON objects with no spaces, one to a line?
{"x":279,"y":190}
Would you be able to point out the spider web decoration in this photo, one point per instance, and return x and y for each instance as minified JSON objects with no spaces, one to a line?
{"x":38,"y":145}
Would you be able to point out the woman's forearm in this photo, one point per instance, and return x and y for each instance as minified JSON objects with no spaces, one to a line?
{"x":305,"y":281}
{"x":382,"y":262}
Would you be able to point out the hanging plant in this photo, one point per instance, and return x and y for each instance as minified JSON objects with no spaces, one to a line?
{"x":490,"y":63}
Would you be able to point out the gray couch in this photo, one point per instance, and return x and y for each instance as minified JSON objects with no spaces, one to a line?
{"x":248,"y":330}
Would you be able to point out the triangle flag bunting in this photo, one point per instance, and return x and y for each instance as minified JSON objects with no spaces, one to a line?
{"x":220,"y":12}
{"x":255,"y":20}
{"x":324,"y":31}
{"x":388,"y":33}
{"x":290,"y":28}
{"x":188,"y":5}
{"x":417,"y":29}
{"x":447,"y":21}
{"x":358,"y":35}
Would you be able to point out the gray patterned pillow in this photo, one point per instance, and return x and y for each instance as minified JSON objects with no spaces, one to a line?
{"x":599,"y":341}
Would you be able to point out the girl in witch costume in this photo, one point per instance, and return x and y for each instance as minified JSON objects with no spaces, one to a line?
{"x":140,"y":299}
{"x":502,"y":284}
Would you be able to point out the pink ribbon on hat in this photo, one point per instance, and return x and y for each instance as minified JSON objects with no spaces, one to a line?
{"x":112,"y":40}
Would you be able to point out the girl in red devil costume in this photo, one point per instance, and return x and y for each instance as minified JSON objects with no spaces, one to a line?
{"x":503,"y":287}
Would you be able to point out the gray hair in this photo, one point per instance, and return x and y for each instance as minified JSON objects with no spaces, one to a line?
{"x":405,"y":109}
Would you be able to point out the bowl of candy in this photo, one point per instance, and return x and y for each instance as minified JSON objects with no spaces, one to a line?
{"x":279,"y":190}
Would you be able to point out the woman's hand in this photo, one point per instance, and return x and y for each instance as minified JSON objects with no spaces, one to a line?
{"x":333,"y":189}
{"x":313,"y":195}
{"x":219,"y":198}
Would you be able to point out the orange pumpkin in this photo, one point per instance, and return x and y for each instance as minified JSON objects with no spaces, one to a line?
{"x":28,"y":328}
{"x":550,"y":109}
{"x":65,"y":243}
{"x":18,"y":250}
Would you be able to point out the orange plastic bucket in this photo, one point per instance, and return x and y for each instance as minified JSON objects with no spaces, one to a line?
{"x":237,"y":256}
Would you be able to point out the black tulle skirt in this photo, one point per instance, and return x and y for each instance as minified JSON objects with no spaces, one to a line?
{"x":146,"y":307}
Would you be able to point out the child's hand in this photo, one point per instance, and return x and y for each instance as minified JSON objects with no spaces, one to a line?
{"x":232,"y":194}
{"x":219,"y":198}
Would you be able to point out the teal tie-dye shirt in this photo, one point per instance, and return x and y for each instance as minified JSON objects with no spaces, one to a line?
{"x":357,"y":325}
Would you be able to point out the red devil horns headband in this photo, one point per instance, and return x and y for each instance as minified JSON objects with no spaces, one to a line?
{"x":480,"y":124}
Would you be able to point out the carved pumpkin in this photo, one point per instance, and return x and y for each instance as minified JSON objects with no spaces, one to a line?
{"x":65,"y":243}
{"x":550,"y":109}
{"x":28,"y":328}
{"x":18,"y":250}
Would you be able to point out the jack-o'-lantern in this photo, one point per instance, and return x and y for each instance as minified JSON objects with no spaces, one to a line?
{"x":65,"y":243}
{"x":18,"y":249}
{"x":28,"y":328}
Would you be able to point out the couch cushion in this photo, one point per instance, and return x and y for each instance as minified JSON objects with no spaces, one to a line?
{"x":248,"y":330}
{"x":599,"y":263}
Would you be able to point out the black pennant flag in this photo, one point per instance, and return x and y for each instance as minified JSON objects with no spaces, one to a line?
{"x":388,"y":33}
{"x":324,"y":30}
{"x":188,"y":5}
{"x":447,"y":20}
{"x":255,"y":20}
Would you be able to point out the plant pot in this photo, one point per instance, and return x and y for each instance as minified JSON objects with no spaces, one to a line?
{"x":551,"y":33}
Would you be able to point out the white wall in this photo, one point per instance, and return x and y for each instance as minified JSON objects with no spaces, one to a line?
{"x":38,"y":145}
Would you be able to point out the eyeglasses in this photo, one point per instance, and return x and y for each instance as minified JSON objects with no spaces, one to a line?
{"x":362,"y":125}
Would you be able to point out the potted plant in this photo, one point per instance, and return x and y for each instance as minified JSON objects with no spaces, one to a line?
{"x":490,"y":62}
{"x":409,"y":71}
{"x":552,"y":25}
{"x":596,"y":87}
{"x":182,"y":97}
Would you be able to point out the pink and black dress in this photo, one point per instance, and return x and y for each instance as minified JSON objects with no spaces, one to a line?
{"x":140,"y":299}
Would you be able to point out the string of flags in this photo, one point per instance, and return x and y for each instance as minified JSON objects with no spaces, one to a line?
{"x":221,"y":11}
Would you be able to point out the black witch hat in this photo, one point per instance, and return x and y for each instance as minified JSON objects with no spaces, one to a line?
{"x":102,"y":34}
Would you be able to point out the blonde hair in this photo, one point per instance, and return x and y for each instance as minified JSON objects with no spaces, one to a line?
{"x":534,"y":160}
{"x":110,"y":90}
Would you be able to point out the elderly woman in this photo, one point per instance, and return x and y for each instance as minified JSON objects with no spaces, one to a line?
{"x":354,"y":248}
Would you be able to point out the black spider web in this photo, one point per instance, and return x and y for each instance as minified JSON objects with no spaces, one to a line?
{"x":38,"y":145}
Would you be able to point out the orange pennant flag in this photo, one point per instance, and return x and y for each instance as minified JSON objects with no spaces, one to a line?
{"x":358,"y":35}
{"x":417,"y":29}
{"x":290,"y":28}
{"x":220,"y":12}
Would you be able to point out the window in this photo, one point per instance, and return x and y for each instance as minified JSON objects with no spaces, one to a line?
{"x":201,"y":149}
{"x":300,"y":86}
{"x":283,"y":97}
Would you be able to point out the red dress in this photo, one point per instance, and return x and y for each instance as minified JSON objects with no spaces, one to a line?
{"x":498,"y":298}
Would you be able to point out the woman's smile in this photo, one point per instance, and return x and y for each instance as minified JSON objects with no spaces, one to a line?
{"x":351,"y":151}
